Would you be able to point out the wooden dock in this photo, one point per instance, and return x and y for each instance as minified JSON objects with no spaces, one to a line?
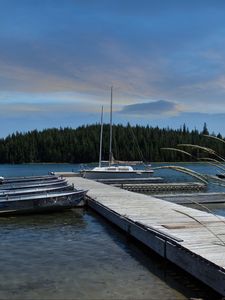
{"x":191,"y":239}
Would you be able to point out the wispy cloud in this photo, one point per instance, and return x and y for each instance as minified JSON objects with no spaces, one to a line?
{"x":46,"y":109}
{"x":159,"y":108}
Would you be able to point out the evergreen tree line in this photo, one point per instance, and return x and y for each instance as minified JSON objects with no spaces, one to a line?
{"x":81,"y":145}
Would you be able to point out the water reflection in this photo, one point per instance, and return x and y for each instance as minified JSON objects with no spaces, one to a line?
{"x":215,"y":208}
{"x":167,"y":277}
{"x":79,"y":255}
{"x":69,"y":217}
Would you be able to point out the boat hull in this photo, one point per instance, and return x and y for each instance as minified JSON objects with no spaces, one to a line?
{"x":21,"y":192}
{"x":42,"y":203}
{"x":90,"y":174}
{"x":12,"y":180}
{"x":29,"y":185}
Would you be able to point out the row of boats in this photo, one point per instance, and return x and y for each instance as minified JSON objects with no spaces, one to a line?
{"x":35,"y":194}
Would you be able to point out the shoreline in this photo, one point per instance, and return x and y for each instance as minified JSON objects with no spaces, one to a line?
{"x":92,"y":163}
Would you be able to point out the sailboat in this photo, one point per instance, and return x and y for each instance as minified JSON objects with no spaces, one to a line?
{"x":113,"y":171}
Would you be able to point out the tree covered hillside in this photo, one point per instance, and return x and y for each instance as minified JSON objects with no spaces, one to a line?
{"x":82,"y":144}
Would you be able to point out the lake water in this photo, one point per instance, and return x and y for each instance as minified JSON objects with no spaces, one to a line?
{"x":79,"y":255}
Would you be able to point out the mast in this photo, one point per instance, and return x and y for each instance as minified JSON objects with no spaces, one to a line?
{"x":110,"y":136}
{"x":100,"y":147}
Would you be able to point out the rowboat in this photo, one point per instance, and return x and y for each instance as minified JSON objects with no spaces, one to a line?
{"x":21,"y":179}
{"x":32,"y":184}
{"x":43,"y":202}
{"x":37,"y":190}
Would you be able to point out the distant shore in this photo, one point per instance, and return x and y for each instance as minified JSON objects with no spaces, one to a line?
{"x":90,"y":163}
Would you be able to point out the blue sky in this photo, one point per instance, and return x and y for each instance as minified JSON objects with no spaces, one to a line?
{"x":59,"y":58}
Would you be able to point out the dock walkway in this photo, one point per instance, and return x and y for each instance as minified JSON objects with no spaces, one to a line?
{"x":192,"y":239}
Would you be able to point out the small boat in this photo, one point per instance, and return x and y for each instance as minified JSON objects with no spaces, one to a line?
{"x":37,"y":184}
{"x":21,"y":179}
{"x":44,"y":202}
{"x":16,"y":192}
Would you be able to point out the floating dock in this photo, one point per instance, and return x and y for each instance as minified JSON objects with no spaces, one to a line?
{"x":193,"y":240}
{"x":194,"y":198}
{"x":152,"y":184}
{"x":121,"y":181}
{"x":162,"y":187}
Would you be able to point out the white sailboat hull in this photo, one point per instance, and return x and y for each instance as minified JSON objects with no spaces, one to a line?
{"x":92,"y":174}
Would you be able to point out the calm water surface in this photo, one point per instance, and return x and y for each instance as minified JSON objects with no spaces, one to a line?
{"x":79,"y":255}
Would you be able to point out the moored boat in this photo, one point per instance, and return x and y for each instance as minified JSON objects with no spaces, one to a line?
{"x":116,"y":172}
{"x":21,"y":179}
{"x":32,"y":184}
{"x":44,"y":202}
{"x":30,"y":191}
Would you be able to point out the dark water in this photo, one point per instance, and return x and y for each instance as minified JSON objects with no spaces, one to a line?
{"x":79,"y":255}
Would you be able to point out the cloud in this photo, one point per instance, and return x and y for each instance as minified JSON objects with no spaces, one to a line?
{"x":46,"y":109}
{"x":23,"y":117}
{"x":160,"y":107}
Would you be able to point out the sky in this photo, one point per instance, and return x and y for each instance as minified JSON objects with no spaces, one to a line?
{"x":164,"y":59}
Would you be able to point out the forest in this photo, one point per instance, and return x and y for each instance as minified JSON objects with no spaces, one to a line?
{"x":81,"y":145}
